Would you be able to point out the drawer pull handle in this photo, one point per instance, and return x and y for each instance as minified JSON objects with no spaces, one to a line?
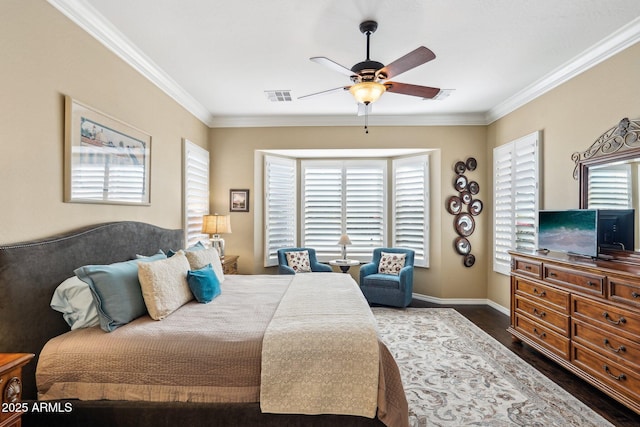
{"x":620,"y":377}
{"x":539,"y":294}
{"x":539,"y":335}
{"x":538,"y":314}
{"x":614,"y":322}
{"x":590,"y":283}
{"x":607,"y":344}
{"x":552,"y":274}
{"x":635,"y":294}
{"x":527,"y":267}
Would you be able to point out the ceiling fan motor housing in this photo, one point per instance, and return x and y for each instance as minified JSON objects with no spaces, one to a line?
{"x":365,"y":71}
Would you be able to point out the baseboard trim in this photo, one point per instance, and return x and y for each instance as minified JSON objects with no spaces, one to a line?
{"x":462,"y":301}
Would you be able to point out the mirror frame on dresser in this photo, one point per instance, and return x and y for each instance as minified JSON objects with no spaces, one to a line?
{"x":617,"y":144}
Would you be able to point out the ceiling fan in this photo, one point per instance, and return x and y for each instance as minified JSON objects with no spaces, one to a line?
{"x":370,"y":77}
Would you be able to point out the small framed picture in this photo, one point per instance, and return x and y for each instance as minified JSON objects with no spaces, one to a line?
{"x":239,"y":200}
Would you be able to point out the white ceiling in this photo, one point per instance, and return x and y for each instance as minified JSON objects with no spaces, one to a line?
{"x":218,"y":57}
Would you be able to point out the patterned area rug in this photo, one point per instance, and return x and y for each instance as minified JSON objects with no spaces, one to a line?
{"x":454,"y":374}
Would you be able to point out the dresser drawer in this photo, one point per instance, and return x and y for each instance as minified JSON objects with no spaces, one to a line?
{"x":591,"y":283}
{"x":624,"y":379}
{"x":624,"y":291}
{"x":547,"y":295}
{"x":549,"y":318}
{"x":528,"y":268}
{"x":606,"y":343}
{"x":619,"y":320}
{"x":543,"y":336}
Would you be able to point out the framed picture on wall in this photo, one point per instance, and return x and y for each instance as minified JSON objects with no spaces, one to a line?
{"x":239,"y":200}
{"x":106,"y":160}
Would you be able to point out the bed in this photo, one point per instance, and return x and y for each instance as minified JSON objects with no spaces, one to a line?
{"x":29,"y":273}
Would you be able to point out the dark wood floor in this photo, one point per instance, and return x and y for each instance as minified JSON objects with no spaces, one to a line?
{"x":495,"y":324}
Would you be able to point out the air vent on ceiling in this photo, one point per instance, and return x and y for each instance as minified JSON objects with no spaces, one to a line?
{"x":278,"y":95}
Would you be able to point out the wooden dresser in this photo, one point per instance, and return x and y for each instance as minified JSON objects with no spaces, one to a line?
{"x":583,"y":314}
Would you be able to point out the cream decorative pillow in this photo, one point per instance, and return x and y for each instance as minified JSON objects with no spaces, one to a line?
{"x":391,"y":263}
{"x":201,"y":258}
{"x":164,"y":285}
{"x":299,"y":261}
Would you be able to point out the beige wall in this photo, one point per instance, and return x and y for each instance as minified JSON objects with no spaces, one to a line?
{"x":44,"y":57}
{"x":571,"y":117}
{"x":233,"y":164}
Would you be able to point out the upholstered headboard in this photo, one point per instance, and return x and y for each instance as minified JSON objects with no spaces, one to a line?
{"x":30,"y":272}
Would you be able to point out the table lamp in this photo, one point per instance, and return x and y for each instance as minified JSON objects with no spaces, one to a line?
{"x":344,"y":241}
{"x":214,"y":225}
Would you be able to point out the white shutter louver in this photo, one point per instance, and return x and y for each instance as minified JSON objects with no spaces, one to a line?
{"x":280,"y":206}
{"x":196,"y":191}
{"x":516,"y":177}
{"x":410,"y":205}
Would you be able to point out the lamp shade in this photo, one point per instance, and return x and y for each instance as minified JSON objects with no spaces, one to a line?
{"x":367,"y":92}
{"x":216,"y":224}
{"x":344,"y":240}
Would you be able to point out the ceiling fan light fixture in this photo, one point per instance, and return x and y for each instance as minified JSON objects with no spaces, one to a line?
{"x":367,"y":92}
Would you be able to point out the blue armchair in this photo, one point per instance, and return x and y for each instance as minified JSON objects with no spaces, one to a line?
{"x":388,"y":289}
{"x":283,"y":267}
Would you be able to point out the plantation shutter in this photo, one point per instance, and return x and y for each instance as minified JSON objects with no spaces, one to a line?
{"x":280,"y":206}
{"x":516,"y":176}
{"x":411,"y":206}
{"x":344,"y":197}
{"x":364,"y":209}
{"x":610,"y":187}
{"x":196,"y":191}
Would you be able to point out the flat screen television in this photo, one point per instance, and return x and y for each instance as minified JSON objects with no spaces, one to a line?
{"x":572,"y":231}
{"x":616,"y":229}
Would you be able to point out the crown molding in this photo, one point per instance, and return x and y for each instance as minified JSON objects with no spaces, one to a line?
{"x":469,"y":119}
{"x":91,"y":21}
{"x":621,"y":39}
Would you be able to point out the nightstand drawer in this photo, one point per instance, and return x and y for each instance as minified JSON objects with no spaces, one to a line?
{"x":230,"y":264}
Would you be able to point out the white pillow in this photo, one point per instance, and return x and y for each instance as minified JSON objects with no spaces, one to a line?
{"x":164,"y":285}
{"x":203,"y":257}
{"x":299,"y":261}
{"x":391,"y":263}
{"x":74,"y":300}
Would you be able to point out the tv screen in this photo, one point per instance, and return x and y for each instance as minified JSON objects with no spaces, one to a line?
{"x":616,"y":229}
{"x":570,"y":231}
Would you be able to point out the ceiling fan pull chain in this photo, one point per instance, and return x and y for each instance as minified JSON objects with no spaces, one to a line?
{"x":366,"y":118}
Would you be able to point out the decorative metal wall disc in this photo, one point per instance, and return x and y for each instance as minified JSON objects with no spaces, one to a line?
{"x":469,"y":260}
{"x":465,"y":224}
{"x":471,"y":164}
{"x":454,"y":205}
{"x":460,"y":183}
{"x":466,"y":197}
{"x":474,"y":187}
{"x":476,"y":207}
{"x":460,"y":167}
{"x":462,"y":245}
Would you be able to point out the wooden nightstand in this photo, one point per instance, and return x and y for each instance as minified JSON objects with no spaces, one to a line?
{"x":230,"y":264}
{"x":11,"y":388}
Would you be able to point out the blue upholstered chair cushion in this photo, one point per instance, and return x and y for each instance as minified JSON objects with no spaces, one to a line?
{"x":388,"y":289}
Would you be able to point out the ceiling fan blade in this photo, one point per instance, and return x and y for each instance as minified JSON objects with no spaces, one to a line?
{"x":364,"y":108}
{"x":413,"y":90}
{"x":325,"y":92}
{"x":333,"y":65}
{"x":407,"y":62}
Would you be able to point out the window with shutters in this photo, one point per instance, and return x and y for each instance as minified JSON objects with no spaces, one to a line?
{"x":610,"y":187}
{"x":196,"y":191}
{"x":280,"y":206}
{"x":343,"y":197}
{"x":411,"y":206}
{"x":516,"y":198}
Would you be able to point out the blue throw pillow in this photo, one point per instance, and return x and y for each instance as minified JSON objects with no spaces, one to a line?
{"x":204,"y":284}
{"x":116,"y":291}
{"x":195,"y":247}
